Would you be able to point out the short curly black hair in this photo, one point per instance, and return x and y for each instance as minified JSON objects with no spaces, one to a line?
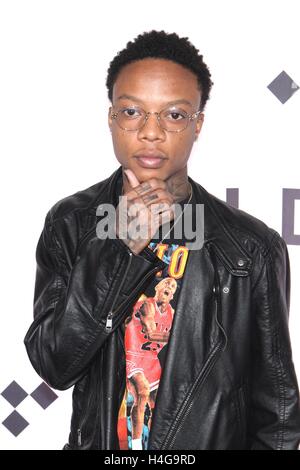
{"x":159,"y":44}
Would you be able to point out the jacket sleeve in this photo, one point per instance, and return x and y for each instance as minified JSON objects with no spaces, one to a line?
{"x":275,"y":418}
{"x":72,"y":300}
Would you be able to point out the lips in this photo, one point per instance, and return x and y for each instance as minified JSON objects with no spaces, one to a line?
{"x":150,"y":159}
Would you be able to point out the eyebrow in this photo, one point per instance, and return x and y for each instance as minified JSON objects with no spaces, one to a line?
{"x":134,"y":98}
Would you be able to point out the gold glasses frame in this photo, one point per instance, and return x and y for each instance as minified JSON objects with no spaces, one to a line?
{"x":190,"y":117}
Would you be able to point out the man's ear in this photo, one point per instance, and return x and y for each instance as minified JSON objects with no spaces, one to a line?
{"x":199,"y":124}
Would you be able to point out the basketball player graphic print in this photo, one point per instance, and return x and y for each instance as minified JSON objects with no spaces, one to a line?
{"x":147,"y":332}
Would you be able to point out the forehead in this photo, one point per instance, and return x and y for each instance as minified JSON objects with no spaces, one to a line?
{"x":169,"y":283}
{"x":157,"y":80}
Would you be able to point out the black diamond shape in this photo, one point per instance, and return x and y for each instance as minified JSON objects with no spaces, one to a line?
{"x":14,"y":394}
{"x":15,"y":423}
{"x":43,"y":395}
{"x":283,"y":87}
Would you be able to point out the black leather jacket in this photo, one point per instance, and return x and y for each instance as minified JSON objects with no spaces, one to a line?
{"x":229,"y":379}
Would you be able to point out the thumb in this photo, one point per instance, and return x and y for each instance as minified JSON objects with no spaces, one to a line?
{"x":133,"y":181}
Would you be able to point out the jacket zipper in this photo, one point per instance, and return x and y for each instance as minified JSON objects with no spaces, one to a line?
{"x":111,"y":314}
{"x":188,"y":403}
{"x":79,"y":437}
{"x":109,"y":317}
{"x":241,"y":405}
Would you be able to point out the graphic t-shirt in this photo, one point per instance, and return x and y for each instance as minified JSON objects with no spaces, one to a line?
{"x":147,"y":332}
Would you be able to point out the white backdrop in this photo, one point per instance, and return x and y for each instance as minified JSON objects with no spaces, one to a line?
{"x":54,"y":141}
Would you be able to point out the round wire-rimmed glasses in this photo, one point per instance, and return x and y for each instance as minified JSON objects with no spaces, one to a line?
{"x":171,"y":119}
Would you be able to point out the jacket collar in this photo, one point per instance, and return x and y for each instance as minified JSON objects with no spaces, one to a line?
{"x":219,"y":235}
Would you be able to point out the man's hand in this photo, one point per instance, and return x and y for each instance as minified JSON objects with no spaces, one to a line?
{"x":142,"y":210}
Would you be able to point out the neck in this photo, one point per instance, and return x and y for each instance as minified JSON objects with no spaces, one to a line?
{"x":161,"y":305}
{"x":178,"y":185}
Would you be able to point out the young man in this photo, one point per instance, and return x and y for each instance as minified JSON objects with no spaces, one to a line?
{"x":168,"y":347}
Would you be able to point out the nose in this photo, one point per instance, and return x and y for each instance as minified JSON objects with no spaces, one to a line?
{"x":151,"y":130}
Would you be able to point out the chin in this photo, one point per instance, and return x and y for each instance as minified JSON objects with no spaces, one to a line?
{"x":144,"y":174}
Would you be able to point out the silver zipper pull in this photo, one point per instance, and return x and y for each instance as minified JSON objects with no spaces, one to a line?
{"x":79,"y":437}
{"x":108,"y":325}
